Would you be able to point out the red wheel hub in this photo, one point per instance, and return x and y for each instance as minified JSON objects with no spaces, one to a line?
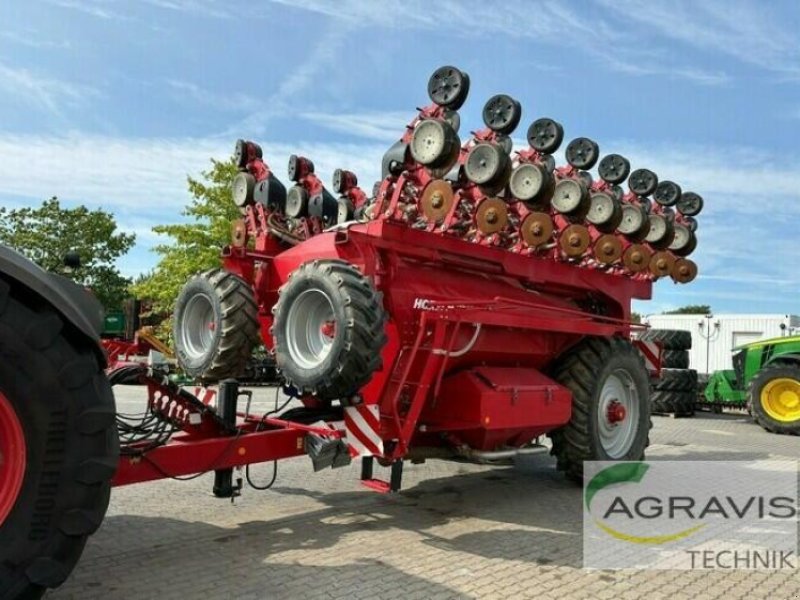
{"x":616,"y":412}
{"x":12,"y":457}
{"x":328,"y":329}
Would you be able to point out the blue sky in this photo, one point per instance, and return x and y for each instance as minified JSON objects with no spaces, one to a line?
{"x":112,"y":103}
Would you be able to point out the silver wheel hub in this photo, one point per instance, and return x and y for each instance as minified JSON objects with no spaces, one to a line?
{"x":618,"y":414}
{"x":311,"y":329}
{"x":198,"y":326}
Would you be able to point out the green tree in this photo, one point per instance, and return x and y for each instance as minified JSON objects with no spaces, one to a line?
{"x":195,"y":245}
{"x":636,"y":317}
{"x":46,"y":233}
{"x":690,"y":309}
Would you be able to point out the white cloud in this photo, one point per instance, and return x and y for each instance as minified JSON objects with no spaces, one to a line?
{"x":32,"y":39}
{"x":747,"y":31}
{"x":203,"y":8}
{"x":543,"y":22}
{"x":380,"y":126}
{"x":226,"y":101}
{"x":48,"y":93}
{"x":95,"y":8}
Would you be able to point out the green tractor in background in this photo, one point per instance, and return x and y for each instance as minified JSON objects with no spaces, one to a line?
{"x":765,"y":380}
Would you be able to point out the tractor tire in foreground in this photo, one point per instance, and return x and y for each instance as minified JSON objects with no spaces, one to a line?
{"x":610,"y":405}
{"x":328,"y":329}
{"x":671,"y":339}
{"x":774,"y":398}
{"x":58,"y":444}
{"x":215,"y":326}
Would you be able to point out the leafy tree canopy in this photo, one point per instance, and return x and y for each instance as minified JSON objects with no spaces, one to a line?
{"x":691,"y":309}
{"x":195,"y":245}
{"x":45,"y":234}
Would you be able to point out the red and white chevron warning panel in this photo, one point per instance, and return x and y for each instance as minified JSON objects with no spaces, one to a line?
{"x":651,"y":352}
{"x":362,"y":425}
{"x":205,"y":395}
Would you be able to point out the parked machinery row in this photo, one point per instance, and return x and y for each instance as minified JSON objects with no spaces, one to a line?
{"x":483,"y":191}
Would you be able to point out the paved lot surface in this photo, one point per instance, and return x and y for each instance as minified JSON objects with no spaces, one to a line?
{"x":456,"y":531}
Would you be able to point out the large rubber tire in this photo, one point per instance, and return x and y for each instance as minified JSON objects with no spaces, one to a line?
{"x":231,"y":318}
{"x":756,"y":403}
{"x":671,"y":339}
{"x":677,"y":380}
{"x":681,"y":404}
{"x":675,"y":359}
{"x":353,"y":351}
{"x":584,"y":370}
{"x":53,"y":380}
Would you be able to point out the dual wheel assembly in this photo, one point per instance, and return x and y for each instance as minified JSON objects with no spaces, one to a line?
{"x":328,"y":328}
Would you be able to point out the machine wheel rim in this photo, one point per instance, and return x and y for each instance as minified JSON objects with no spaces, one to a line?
{"x":781,"y":399}
{"x":618,"y":396}
{"x":310,"y":328}
{"x":198,"y":326}
{"x":13,"y":457}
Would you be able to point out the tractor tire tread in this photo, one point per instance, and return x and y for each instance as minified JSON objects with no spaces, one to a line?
{"x":75,"y":440}
{"x":671,"y":339}
{"x":577,"y":371}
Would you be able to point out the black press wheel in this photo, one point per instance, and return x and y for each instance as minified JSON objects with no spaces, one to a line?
{"x":502,"y":113}
{"x":545,"y":135}
{"x":643,"y":182}
{"x":215,"y":325}
{"x":328,"y":329}
{"x":582,"y":153}
{"x":448,"y":87}
{"x":610,"y":404}
{"x":58,"y":444}
{"x":614,"y":168}
{"x":667,"y":193}
{"x":690,"y":204}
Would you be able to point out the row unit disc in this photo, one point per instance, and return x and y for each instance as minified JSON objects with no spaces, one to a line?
{"x":661,"y":263}
{"x":536,"y":229}
{"x":683,"y":271}
{"x":571,"y":197}
{"x":437,"y":200}
{"x":242,"y":189}
{"x":491,"y":215}
{"x":531,"y":182}
{"x":435,"y":144}
{"x":661,"y":231}
{"x":607,"y":249}
{"x":636,"y":258}
{"x":634,"y":221}
{"x":605,"y":212}
{"x":574,"y":240}
{"x":684,"y":241}
{"x":488,"y":165}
